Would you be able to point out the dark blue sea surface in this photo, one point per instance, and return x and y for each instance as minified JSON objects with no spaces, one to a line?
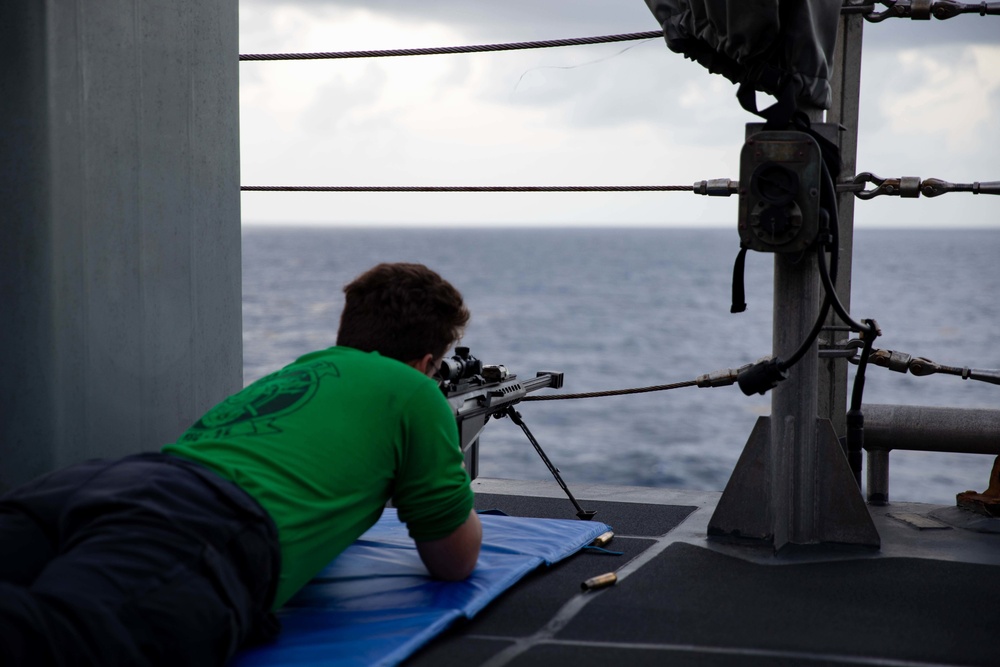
{"x":620,"y":308}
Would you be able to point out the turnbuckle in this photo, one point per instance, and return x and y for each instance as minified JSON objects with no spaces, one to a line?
{"x":902,"y":362}
{"x":922,"y":10}
{"x":907,"y":186}
{"x":912,"y":186}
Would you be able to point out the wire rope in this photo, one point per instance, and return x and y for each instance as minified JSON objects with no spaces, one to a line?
{"x":445,"y":50}
{"x":466,"y":188}
{"x":613,"y":392}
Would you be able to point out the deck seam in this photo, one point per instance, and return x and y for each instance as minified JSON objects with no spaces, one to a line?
{"x":575,"y":605}
{"x":696,"y":648}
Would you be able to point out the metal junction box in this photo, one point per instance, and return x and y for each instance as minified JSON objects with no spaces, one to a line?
{"x":779,"y":191}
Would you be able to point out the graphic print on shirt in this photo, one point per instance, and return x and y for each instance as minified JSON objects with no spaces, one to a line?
{"x":255,"y":410}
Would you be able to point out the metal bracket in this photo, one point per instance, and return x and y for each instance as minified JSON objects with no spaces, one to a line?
{"x":757,"y":502}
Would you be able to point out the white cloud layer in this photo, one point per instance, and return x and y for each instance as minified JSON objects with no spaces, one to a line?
{"x":617,"y":114}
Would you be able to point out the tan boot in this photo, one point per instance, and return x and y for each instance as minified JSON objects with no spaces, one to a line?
{"x":987,"y":502}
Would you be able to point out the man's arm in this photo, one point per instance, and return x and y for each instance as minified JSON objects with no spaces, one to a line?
{"x":453,"y":558}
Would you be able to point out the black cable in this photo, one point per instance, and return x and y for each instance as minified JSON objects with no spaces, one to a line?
{"x":838,"y":307}
{"x":859,"y":378}
{"x":855,"y":418}
{"x":829,"y":277}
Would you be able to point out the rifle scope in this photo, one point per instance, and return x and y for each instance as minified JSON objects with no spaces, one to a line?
{"x":462,"y":365}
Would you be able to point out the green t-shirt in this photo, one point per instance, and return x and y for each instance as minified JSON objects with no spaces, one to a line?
{"x":323,"y":443}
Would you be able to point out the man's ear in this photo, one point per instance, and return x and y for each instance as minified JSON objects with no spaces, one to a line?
{"x":425,"y":364}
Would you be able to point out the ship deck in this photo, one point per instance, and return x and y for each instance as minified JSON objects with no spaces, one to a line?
{"x":928,"y":596}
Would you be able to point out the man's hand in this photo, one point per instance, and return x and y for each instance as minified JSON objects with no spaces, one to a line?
{"x":453,"y":558}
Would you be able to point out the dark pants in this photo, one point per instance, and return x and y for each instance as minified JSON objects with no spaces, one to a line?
{"x":147,"y":560}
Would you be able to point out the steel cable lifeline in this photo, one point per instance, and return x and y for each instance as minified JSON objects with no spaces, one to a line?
{"x":613,"y":392}
{"x":912,"y":9}
{"x":445,"y":50}
{"x":719,"y":378}
{"x":904,"y":187}
{"x":466,"y":188}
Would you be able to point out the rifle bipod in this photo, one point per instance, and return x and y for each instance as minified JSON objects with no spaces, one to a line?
{"x":515,"y":417}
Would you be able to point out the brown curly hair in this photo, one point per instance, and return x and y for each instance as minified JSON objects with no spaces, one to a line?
{"x":403,"y":311}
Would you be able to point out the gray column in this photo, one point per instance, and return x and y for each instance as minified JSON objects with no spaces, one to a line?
{"x":794,"y":409}
{"x":792,"y":484}
{"x":120,"y":286}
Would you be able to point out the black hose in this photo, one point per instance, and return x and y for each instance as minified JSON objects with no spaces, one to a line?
{"x":855,"y":418}
{"x":829,"y":277}
{"x":838,"y":307}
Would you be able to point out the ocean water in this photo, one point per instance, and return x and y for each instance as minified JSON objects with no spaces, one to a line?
{"x":621,"y":308}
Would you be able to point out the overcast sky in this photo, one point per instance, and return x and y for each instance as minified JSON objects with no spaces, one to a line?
{"x":629,"y":113}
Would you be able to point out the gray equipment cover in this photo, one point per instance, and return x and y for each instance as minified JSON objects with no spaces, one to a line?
{"x":766,"y":44}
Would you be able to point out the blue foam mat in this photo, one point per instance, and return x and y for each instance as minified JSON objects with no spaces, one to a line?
{"x":376,"y":605}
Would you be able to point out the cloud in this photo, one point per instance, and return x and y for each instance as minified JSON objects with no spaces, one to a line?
{"x":944,"y":97}
{"x":510,"y":20}
{"x":965,"y":29}
{"x":607,"y":86}
{"x":951,"y":98}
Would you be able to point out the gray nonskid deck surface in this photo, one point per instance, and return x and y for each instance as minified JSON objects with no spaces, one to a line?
{"x":928,"y":597}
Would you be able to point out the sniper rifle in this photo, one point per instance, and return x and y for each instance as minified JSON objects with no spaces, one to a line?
{"x":477,"y":392}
